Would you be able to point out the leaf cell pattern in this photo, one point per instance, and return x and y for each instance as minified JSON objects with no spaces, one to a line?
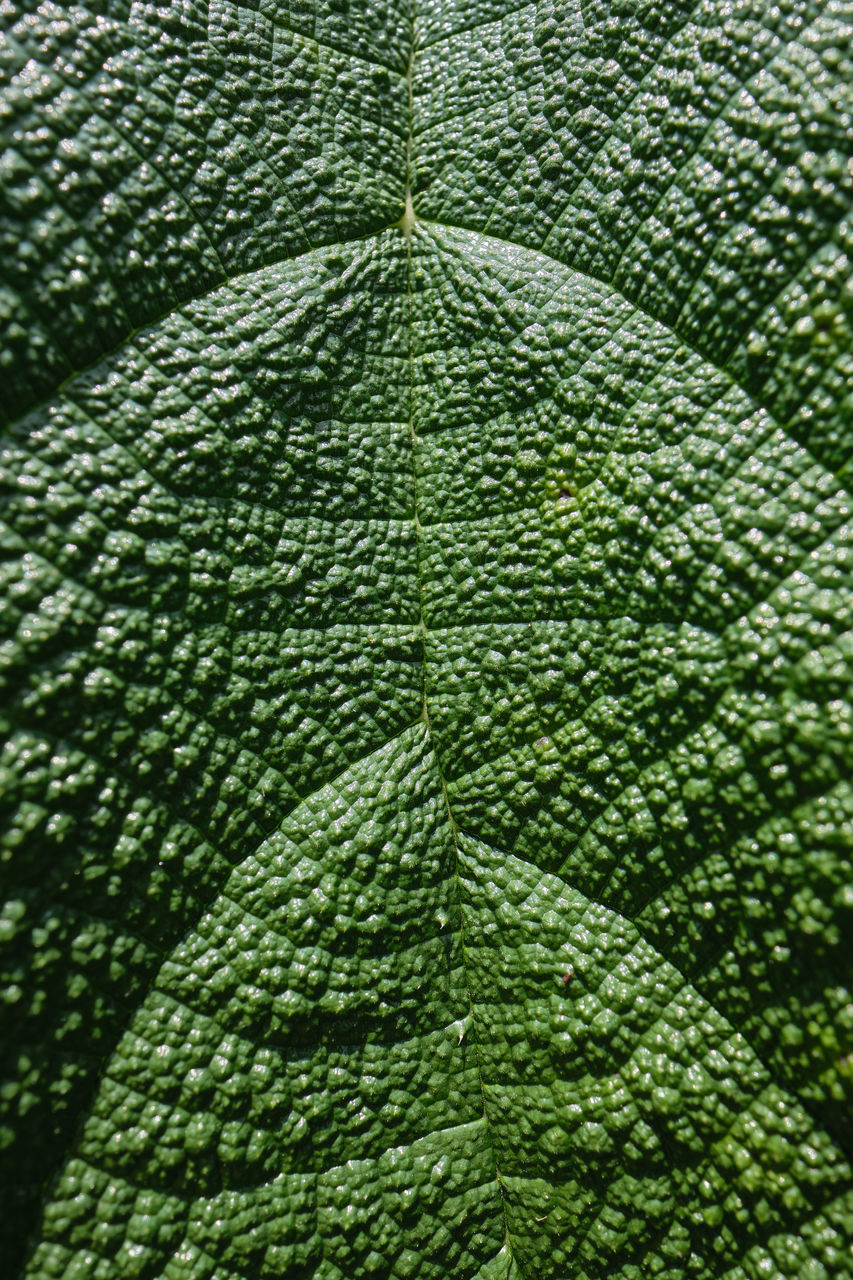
{"x":426,"y":651}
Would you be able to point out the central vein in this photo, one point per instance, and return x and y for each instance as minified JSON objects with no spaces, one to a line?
{"x":407,"y":224}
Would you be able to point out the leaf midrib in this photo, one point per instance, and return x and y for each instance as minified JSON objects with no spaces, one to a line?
{"x":406,"y":225}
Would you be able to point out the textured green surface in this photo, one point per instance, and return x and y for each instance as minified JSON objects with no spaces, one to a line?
{"x":426,"y":648}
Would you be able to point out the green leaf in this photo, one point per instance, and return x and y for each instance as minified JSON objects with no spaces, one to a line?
{"x":427,"y":640}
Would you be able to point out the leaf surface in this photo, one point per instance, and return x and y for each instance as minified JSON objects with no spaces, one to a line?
{"x":427,"y":641}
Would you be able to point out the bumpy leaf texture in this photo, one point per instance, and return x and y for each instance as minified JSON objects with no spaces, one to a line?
{"x":427,"y":639}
